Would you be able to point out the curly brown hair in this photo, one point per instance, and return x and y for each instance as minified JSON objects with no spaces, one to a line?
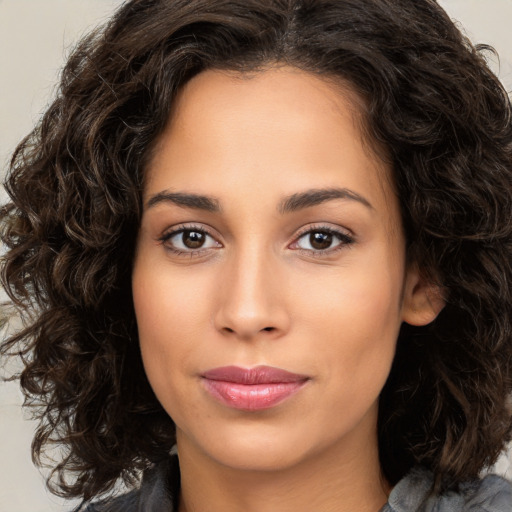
{"x":75,"y":185}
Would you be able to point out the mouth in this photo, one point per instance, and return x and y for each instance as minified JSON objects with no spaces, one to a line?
{"x":252,"y":389}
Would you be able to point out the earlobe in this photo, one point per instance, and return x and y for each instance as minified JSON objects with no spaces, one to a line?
{"x":422,"y":300}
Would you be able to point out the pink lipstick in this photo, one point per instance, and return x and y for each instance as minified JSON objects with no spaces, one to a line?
{"x":252,"y":389}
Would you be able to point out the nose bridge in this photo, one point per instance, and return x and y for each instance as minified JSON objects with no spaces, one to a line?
{"x":250,"y":296}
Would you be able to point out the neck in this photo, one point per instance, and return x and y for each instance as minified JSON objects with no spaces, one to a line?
{"x":334,"y":480}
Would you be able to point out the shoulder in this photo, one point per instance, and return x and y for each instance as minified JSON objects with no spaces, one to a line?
{"x":158,"y":492}
{"x":126,"y":503}
{"x":413,"y":494}
{"x":490,"y":494}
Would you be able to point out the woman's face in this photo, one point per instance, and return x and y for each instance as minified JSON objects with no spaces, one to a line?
{"x":271,"y":240}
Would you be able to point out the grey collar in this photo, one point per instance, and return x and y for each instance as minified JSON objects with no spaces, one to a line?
{"x":414,"y":494}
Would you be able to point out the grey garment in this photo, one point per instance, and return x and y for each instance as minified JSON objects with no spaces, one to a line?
{"x":413,"y":494}
{"x":159,"y":492}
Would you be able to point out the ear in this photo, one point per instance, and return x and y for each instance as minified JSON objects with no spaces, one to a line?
{"x":422,"y":300}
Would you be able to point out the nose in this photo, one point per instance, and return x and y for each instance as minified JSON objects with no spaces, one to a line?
{"x":251,"y":297}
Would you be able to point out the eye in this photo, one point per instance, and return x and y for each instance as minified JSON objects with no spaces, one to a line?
{"x":322,"y":240}
{"x":188,"y":240}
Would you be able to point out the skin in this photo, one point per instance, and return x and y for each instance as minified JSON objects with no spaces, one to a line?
{"x":259,"y":293}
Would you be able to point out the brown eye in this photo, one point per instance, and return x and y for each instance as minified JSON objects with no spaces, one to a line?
{"x":193,"y":239}
{"x":189,"y":241}
{"x":320,"y":240}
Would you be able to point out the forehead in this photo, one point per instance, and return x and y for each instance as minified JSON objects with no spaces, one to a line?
{"x":278,"y":86}
{"x":281,"y":126}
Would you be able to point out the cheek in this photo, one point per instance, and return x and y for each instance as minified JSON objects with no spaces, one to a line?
{"x":168,"y":301}
{"x":172,"y":310}
{"x":354,"y":317}
{"x":361,"y":297}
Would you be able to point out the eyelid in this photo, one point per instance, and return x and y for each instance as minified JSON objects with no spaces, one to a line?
{"x":180,"y":228}
{"x":324,"y":226}
{"x":346,"y":237}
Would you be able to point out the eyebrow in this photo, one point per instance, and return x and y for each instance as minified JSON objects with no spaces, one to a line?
{"x":289,"y":204}
{"x":186,"y":200}
{"x":315,"y":197}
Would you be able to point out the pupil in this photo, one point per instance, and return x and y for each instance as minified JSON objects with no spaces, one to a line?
{"x":193,"y":239}
{"x":320,"y":240}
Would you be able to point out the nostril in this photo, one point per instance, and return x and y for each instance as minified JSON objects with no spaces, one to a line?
{"x":268,"y":329}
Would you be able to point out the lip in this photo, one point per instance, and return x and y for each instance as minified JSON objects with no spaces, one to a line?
{"x":252,"y":389}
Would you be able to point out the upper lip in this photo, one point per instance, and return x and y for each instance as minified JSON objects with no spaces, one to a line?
{"x":250,"y":376}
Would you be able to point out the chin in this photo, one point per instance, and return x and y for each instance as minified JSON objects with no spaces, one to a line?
{"x":260,"y":456}
{"x":254,"y":447}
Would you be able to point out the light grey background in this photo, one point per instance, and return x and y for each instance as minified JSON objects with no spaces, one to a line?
{"x":35,"y":37}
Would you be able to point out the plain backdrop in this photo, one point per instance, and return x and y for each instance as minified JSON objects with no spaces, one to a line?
{"x":35,"y":37}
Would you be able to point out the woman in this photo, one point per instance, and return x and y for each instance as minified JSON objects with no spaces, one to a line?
{"x":263,"y":250}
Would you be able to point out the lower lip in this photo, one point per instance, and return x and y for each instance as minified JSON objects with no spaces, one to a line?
{"x":254,"y":397}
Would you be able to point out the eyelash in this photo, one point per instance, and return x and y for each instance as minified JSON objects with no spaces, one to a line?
{"x":164,"y":239}
{"x":345,"y":239}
